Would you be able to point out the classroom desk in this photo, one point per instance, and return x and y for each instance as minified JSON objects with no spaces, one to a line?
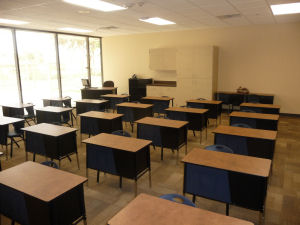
{"x":4,"y":128}
{"x":94,"y":122}
{"x":60,"y":102}
{"x":53,"y":141}
{"x":197,"y":118}
{"x":86,"y":105}
{"x":134,"y":111}
{"x":261,"y":108}
{"x":115,"y":99}
{"x":149,"y":210}
{"x":163,"y":132}
{"x":247,"y":141}
{"x":236,"y":99}
{"x":214,"y":107}
{"x":53,"y":114}
{"x":255,"y":120}
{"x":159,"y":103}
{"x":122,"y":156}
{"x":15,"y":110}
{"x":95,"y":93}
{"x":34,"y":194}
{"x":229,"y":178}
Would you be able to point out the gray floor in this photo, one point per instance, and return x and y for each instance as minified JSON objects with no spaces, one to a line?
{"x":105,"y":199}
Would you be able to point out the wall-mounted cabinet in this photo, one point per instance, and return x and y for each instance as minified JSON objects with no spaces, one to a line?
{"x":196,"y":71}
{"x":162,"y":59}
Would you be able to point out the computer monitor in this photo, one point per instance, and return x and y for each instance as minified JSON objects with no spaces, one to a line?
{"x":85,"y":83}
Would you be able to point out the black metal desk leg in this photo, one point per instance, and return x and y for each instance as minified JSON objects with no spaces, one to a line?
{"x":120,"y":184}
{"x":135,"y":186}
{"x":227,"y":209}
{"x":98,"y":175}
{"x":150,"y":182}
{"x":162,"y":153}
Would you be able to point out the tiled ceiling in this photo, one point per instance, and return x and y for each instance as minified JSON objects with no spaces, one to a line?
{"x":188,"y":14}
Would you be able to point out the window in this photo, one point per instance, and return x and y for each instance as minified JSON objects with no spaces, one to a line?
{"x":39,"y":78}
{"x":37,"y":58}
{"x":8,"y":78}
{"x":95,"y":62}
{"x":73,"y":64}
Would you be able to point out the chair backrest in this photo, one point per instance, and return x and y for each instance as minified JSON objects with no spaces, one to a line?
{"x":108,"y":83}
{"x":253,"y":98}
{"x":50,"y":164}
{"x":67,"y":102}
{"x":241,"y":125}
{"x":178,"y":198}
{"x":219,"y":148}
{"x":18,"y":125}
{"x":3,"y":134}
{"x":136,"y":102}
{"x":121,"y":133}
{"x":30,"y":110}
{"x":65,"y":117}
{"x":5,"y":111}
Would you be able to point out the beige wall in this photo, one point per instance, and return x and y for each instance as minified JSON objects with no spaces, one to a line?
{"x":264,"y":58}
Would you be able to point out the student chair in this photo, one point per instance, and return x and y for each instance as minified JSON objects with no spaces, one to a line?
{"x":17,"y":132}
{"x":30,"y":116}
{"x":219,"y":148}
{"x":108,"y":83}
{"x":178,"y":198}
{"x":241,"y":125}
{"x":121,"y":133}
{"x":50,"y":164}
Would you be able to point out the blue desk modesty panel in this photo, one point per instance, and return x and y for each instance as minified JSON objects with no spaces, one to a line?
{"x":229,"y":178}
{"x":247,"y":141}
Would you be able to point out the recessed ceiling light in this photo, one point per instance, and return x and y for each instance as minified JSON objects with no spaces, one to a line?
{"x":157,"y":21}
{"x":96,"y":4}
{"x":75,"y":30}
{"x":14,"y":22}
{"x":290,"y":8}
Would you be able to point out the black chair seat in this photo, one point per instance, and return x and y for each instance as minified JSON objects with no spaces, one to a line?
{"x":13,"y":134}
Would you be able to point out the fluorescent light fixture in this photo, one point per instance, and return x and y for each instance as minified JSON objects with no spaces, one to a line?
{"x":157,"y":21}
{"x":74,"y":30}
{"x":290,"y":8}
{"x":14,"y":22}
{"x":96,"y":4}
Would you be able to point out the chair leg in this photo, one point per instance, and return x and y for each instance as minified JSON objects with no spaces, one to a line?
{"x":194,"y":133}
{"x":16,"y":142}
{"x":194,"y":198}
{"x":33,"y":157}
{"x":0,"y":170}
{"x":162,"y":153}
{"x":27,"y":122}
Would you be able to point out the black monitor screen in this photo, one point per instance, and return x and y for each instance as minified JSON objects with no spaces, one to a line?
{"x":85,"y":82}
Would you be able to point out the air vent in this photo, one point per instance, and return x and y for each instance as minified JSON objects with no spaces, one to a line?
{"x":108,"y":28}
{"x":230,"y":16}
